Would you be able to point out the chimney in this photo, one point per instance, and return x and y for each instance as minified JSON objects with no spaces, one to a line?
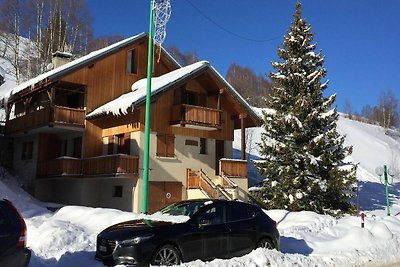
{"x":61,"y":58}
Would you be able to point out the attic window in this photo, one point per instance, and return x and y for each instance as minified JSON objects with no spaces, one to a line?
{"x":132,"y":61}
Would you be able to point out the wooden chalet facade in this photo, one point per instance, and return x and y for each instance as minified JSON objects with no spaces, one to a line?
{"x":78,"y":130}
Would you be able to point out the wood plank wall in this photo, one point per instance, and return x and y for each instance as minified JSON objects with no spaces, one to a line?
{"x":106,"y":80}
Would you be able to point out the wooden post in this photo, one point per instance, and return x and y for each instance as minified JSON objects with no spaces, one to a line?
{"x":221,"y":91}
{"x":243,"y":135}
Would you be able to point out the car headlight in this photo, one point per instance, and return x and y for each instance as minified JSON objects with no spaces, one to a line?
{"x":136,"y":240}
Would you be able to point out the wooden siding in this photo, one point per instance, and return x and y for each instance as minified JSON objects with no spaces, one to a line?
{"x":93,"y":141}
{"x":49,"y":115}
{"x":106,"y":80}
{"x":237,"y":168}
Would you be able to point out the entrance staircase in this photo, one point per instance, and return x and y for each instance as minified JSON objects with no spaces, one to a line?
{"x":200,"y":185}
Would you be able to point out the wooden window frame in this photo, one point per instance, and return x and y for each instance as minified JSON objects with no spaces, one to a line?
{"x":165,"y":145}
{"x":132,"y":61}
{"x":27,"y":150}
{"x":203,"y":146}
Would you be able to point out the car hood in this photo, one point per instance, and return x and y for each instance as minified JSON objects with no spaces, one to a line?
{"x":127,"y":228}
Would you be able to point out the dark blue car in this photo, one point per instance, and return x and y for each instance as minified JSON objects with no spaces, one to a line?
{"x":215,"y":229}
{"x":13,"y":251}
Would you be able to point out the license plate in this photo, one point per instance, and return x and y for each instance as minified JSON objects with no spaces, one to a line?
{"x":102,"y":248}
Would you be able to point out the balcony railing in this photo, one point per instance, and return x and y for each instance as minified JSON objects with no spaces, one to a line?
{"x":47,"y":116}
{"x":233,"y":167}
{"x":111,"y":165}
{"x":63,"y":166}
{"x":196,"y":115}
{"x":103,"y":165}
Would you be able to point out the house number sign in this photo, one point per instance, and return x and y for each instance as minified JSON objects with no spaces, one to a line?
{"x":168,"y":195}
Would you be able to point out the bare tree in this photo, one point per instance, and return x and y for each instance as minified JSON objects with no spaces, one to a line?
{"x":388,"y":106}
{"x":183,"y":58}
{"x":347,"y":108}
{"x":253,"y":88}
{"x":11,"y":13}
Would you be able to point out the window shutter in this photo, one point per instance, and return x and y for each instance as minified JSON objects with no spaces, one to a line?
{"x":161,"y":145}
{"x":170,"y":140}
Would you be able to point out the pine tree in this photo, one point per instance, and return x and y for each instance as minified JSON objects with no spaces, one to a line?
{"x":305,"y":157}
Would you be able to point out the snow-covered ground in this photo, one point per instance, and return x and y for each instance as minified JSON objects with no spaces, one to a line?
{"x":68,"y":236}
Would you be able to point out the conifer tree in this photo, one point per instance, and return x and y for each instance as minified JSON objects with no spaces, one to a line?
{"x":305,"y":164}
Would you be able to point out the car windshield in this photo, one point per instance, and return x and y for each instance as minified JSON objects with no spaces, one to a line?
{"x":184,"y":208}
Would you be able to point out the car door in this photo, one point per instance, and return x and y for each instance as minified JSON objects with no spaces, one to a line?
{"x":214,"y":234}
{"x":242,"y":229}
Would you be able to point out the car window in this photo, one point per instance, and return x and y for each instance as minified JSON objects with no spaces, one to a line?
{"x":185,"y":208}
{"x":211,"y":216}
{"x":240,"y":212}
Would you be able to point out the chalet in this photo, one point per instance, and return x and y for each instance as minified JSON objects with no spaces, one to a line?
{"x":78,"y":130}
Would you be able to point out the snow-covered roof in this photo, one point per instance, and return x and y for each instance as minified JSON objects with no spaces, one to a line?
{"x":137,"y":96}
{"x":57,"y":72}
{"x":120,"y":105}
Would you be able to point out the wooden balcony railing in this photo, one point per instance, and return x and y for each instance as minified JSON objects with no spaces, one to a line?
{"x":63,"y":166}
{"x":189,"y":114}
{"x":45,"y":116}
{"x":111,"y":165}
{"x":103,"y":165}
{"x":233,"y":167}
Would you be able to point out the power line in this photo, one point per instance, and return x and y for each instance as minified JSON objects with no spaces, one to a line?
{"x":229,"y":31}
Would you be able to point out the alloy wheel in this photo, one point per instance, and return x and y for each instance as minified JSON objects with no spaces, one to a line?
{"x":167,"y":255}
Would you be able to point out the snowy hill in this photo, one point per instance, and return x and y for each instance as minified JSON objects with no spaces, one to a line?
{"x":68,"y":236}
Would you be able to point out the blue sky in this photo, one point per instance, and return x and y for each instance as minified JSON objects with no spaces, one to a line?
{"x":359,"y":38}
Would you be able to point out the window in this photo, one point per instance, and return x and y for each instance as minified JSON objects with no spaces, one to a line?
{"x":165,"y":145}
{"x":123,"y":143}
{"x":119,"y":144}
{"x":203,"y":146}
{"x":27,"y":150}
{"x":214,"y":215}
{"x":132,"y":61}
{"x":117,"y":191}
{"x":239,"y":212}
{"x":196,"y":99}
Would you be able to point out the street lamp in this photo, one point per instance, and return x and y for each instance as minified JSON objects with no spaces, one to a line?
{"x":384,"y":171}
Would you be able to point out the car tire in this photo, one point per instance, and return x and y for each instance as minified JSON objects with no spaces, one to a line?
{"x":166,"y":255}
{"x":265,"y":243}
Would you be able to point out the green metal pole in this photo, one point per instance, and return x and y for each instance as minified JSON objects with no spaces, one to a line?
{"x":145,"y":180}
{"x":387,"y":191}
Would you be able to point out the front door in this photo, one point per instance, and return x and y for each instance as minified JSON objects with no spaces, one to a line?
{"x":219,"y":154}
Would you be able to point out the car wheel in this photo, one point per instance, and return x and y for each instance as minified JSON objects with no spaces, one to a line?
{"x":265,"y":243}
{"x":166,"y":255}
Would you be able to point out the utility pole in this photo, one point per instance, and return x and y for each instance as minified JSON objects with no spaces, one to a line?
{"x":145,"y":180}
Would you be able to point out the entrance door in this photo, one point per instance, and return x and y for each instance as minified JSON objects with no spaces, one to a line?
{"x":219,"y":154}
{"x":161,"y":194}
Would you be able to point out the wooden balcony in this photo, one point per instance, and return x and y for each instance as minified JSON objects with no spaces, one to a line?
{"x":111,"y":165}
{"x":63,"y":166}
{"x":49,"y":116}
{"x":196,"y":117}
{"x":100,"y":166}
{"x":233,"y":167}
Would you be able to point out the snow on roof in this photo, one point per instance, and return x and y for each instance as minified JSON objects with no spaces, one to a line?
{"x":120,"y":105}
{"x":77,"y":62}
